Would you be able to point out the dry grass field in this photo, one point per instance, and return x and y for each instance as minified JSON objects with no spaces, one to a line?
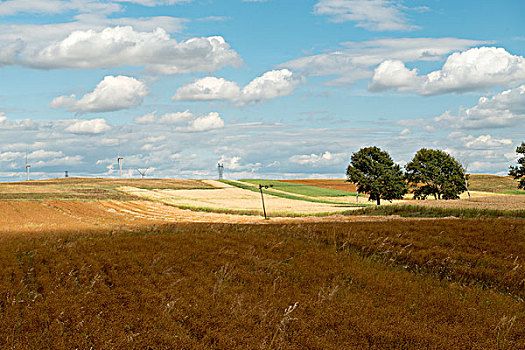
{"x":500,"y":202}
{"x":493,"y":183}
{"x":85,"y":265}
{"x":442,"y":284}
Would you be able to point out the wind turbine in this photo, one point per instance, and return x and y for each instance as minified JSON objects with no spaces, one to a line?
{"x":27,"y":168}
{"x":142,"y":172}
{"x":119,"y":159}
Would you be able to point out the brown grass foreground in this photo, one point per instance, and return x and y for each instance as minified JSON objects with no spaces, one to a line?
{"x":451,"y":284}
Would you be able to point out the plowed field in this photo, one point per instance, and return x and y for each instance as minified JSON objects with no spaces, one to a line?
{"x":49,"y":217}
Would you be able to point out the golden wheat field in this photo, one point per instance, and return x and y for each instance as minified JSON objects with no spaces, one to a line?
{"x":169,"y":264}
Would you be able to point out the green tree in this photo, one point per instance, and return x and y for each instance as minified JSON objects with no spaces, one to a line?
{"x":436,"y":173}
{"x":374,"y":172}
{"x":518,"y":172}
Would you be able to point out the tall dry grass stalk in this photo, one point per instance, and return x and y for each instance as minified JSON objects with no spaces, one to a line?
{"x":503,"y":330}
{"x":284,"y":323}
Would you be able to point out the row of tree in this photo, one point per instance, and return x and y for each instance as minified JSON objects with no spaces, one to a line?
{"x":430,"y":173}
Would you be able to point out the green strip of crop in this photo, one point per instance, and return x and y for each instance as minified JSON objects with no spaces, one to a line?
{"x":515,"y":192}
{"x":301,"y":189}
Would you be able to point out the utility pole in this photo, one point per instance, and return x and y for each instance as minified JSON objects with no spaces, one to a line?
{"x":262,"y":198}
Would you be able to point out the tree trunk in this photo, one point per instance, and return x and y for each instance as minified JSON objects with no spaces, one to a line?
{"x":466,"y":186}
{"x":378,"y":201}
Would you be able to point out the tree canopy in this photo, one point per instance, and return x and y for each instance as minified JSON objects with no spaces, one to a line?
{"x":374,"y":172}
{"x":437,"y":173}
{"x":518,"y":172}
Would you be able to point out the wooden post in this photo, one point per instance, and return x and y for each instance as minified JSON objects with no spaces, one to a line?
{"x":262,"y":198}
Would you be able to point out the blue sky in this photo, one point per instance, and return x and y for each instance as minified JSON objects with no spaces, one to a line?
{"x":272,"y":89}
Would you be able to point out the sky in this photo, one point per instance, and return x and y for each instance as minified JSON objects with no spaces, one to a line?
{"x":270,"y":89}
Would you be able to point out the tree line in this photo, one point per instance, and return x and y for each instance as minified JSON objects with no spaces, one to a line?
{"x":431,"y":172}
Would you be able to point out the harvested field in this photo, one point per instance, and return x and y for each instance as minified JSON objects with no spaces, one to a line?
{"x":54,"y":216}
{"x":444,"y":284}
{"x":81,"y":182}
{"x":87,"y":188}
{"x":499,"y":202}
{"x":51,"y":217}
{"x":233,"y":199}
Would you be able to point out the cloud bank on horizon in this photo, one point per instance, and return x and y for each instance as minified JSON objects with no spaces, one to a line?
{"x":179,"y":85}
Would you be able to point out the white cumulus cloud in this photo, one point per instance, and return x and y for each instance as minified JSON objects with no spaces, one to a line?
{"x":92,"y":126}
{"x":272,"y":84}
{"x":326,"y":158}
{"x":236,"y":163}
{"x":505,"y":109}
{"x":119,"y":46}
{"x":356,"y":60}
{"x":204,"y":123}
{"x":208,"y":89}
{"x":393,"y":74}
{"x":177,"y":117}
{"x":185,"y":121}
{"x":146,"y":118}
{"x":472,"y":70}
{"x":486,"y":142}
{"x":111,"y":94}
